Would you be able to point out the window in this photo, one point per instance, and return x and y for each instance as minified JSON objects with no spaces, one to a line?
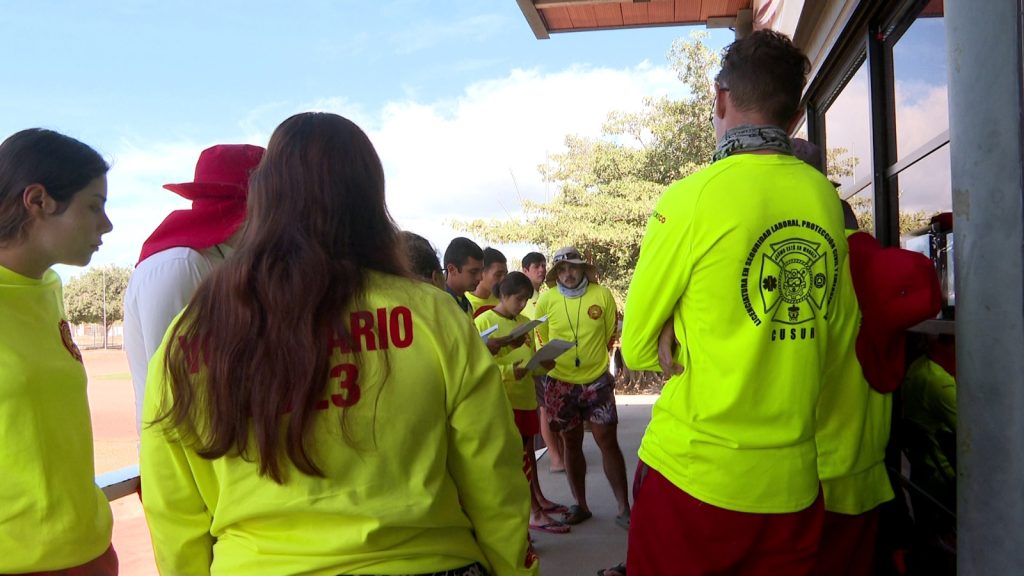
{"x":919,"y":70}
{"x":848,"y":146}
{"x":920,"y":174}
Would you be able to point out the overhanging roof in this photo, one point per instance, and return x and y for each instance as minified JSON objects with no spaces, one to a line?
{"x":550,"y":16}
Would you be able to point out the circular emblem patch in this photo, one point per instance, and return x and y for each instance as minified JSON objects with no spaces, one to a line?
{"x":789,"y":276}
{"x":69,"y":343}
{"x":595,"y":312}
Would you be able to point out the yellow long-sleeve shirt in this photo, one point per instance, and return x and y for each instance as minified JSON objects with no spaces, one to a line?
{"x":853,"y":421}
{"x":52,"y":514}
{"x":744,"y":258}
{"x":435,"y":483}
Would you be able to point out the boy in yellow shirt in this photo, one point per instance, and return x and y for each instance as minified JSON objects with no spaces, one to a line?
{"x":513,"y":292}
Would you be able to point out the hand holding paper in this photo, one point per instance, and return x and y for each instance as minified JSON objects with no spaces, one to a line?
{"x":526,"y":328}
{"x":550,"y":351}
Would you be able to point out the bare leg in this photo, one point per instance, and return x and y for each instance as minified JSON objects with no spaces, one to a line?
{"x":537,"y":493}
{"x":553,"y":441}
{"x":576,"y":464}
{"x":606,"y":436}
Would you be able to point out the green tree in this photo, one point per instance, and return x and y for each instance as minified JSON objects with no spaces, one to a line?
{"x":608,"y":186}
{"x":841,"y":165}
{"x":97,"y":296}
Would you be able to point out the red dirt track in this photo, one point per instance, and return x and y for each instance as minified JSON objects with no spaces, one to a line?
{"x":112,"y":402}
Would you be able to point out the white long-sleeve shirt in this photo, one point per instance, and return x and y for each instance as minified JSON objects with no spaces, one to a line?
{"x":158,"y":290}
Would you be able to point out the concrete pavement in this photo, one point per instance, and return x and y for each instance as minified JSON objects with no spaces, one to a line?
{"x":598,"y":542}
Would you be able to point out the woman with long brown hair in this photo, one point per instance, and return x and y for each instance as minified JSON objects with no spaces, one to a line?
{"x":315,"y":410}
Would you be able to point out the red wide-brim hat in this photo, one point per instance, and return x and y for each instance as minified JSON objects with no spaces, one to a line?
{"x":218,"y":194}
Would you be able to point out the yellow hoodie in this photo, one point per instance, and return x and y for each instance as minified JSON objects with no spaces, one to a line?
{"x":744,"y":258}
{"x":434,"y":483}
{"x":52,"y":514}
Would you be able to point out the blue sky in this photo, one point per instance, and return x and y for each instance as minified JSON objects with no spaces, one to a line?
{"x":458,"y":96}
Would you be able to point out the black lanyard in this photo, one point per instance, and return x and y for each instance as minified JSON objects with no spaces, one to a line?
{"x":575,"y":331}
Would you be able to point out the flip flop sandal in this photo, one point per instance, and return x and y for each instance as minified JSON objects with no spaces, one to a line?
{"x":623,"y":521}
{"x":619,"y":570}
{"x":551,"y":528}
{"x":575,"y":515}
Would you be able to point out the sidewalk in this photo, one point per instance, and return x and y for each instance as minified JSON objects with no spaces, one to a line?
{"x":598,"y":542}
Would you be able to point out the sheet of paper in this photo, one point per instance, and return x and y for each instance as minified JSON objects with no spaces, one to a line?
{"x":488,"y":332}
{"x":524,"y":328}
{"x":550,"y":351}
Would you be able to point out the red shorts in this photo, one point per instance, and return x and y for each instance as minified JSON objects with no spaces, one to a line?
{"x":527,"y":422}
{"x":673,"y":534}
{"x":848,"y":544}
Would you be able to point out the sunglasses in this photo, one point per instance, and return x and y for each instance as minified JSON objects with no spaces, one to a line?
{"x":567,"y":256}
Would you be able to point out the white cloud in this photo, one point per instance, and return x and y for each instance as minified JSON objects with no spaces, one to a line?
{"x":922,"y":113}
{"x":444,"y":160}
{"x":456,"y":159}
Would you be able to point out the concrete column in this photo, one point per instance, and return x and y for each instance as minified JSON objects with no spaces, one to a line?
{"x":986,"y":85}
{"x":744,"y":23}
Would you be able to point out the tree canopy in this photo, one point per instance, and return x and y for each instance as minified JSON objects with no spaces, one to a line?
{"x":609,"y":185}
{"x":97,"y":296}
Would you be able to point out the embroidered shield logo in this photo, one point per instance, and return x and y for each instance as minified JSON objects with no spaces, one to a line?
{"x":595,"y":312}
{"x":69,"y":343}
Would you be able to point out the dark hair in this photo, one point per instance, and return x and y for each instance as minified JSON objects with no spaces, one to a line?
{"x":532,"y":258}
{"x":423,"y":261}
{"x":849,"y":218}
{"x":461,"y":249}
{"x":765,"y":72}
{"x":492,"y":256}
{"x":514,"y":283}
{"x":59,"y":163}
{"x":262,"y":322}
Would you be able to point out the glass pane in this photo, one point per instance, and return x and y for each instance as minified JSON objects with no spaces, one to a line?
{"x":848,"y":142}
{"x":925,"y":189}
{"x":919,"y":68}
{"x":863,"y":204}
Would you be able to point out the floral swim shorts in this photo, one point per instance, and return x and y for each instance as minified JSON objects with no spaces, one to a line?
{"x":568,"y":405}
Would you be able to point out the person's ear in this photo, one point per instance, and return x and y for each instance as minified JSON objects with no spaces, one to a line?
{"x":37,"y":201}
{"x":721,"y":103}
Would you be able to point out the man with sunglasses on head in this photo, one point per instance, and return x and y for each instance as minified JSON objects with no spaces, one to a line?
{"x":579,"y":388}
{"x":741,"y":267}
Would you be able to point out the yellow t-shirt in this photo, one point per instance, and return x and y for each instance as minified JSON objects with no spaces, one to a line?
{"x":521,"y":392}
{"x":481,"y":305}
{"x":853,"y":423}
{"x":929,"y":403}
{"x":531,"y":312}
{"x":436,"y":482}
{"x":589,"y":321}
{"x":52,"y":514}
{"x":744,"y":258}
